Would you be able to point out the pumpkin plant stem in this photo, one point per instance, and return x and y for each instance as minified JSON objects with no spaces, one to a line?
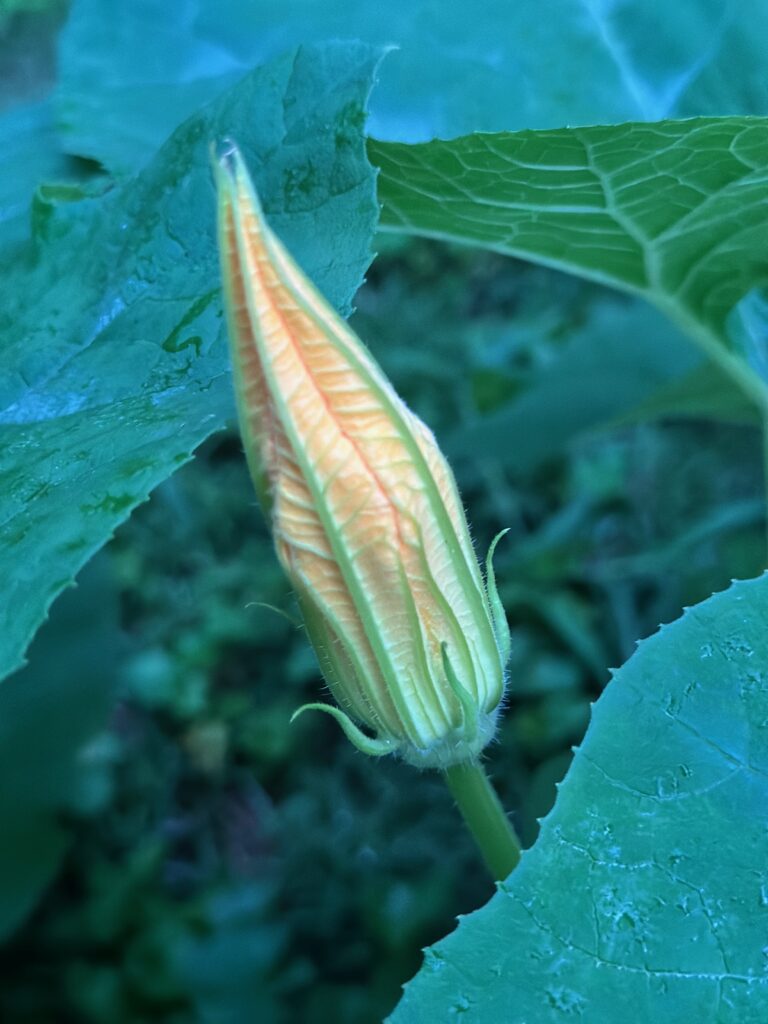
{"x":485,"y":818}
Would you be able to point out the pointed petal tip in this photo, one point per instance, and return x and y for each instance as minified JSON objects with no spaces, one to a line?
{"x":226,"y":155}
{"x":229,"y":168}
{"x":233,"y":179}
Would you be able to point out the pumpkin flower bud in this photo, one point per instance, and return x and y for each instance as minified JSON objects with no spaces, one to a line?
{"x":364,"y":509}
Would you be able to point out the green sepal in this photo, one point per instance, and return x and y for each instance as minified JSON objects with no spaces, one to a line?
{"x":469,"y":708}
{"x":499,"y":616}
{"x":295,"y":623}
{"x":371,"y":745}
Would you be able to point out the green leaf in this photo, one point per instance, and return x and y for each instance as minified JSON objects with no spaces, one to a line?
{"x":113,"y":367}
{"x":704,"y":393}
{"x":673,"y":211}
{"x":130,"y":71}
{"x":620,"y":357}
{"x":29,"y":155}
{"x":748,"y":330}
{"x":226,"y":966}
{"x":648,"y":886}
{"x":50,"y":715}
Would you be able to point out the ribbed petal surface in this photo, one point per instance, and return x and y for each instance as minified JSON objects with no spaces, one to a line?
{"x":365,"y":513}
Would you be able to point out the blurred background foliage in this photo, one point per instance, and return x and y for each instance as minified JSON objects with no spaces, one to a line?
{"x":219,"y":865}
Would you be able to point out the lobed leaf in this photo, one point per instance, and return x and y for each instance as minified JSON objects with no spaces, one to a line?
{"x":130,"y":71}
{"x":647,"y":891}
{"x":674,"y":211}
{"x":113,"y":365}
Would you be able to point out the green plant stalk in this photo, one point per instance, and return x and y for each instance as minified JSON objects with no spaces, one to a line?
{"x":484,"y":816}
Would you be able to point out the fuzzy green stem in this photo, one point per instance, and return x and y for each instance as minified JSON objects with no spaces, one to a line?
{"x":485,"y":818}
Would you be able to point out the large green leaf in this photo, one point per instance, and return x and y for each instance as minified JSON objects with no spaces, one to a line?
{"x":674,"y":211}
{"x":29,"y":155}
{"x":703,"y":393}
{"x":619,"y":359}
{"x":113,"y":366}
{"x":50,"y":715}
{"x":646,"y":895}
{"x":131,"y":70}
{"x":30,"y":151}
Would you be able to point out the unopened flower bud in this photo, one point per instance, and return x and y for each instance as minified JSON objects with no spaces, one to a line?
{"x":364,"y":509}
